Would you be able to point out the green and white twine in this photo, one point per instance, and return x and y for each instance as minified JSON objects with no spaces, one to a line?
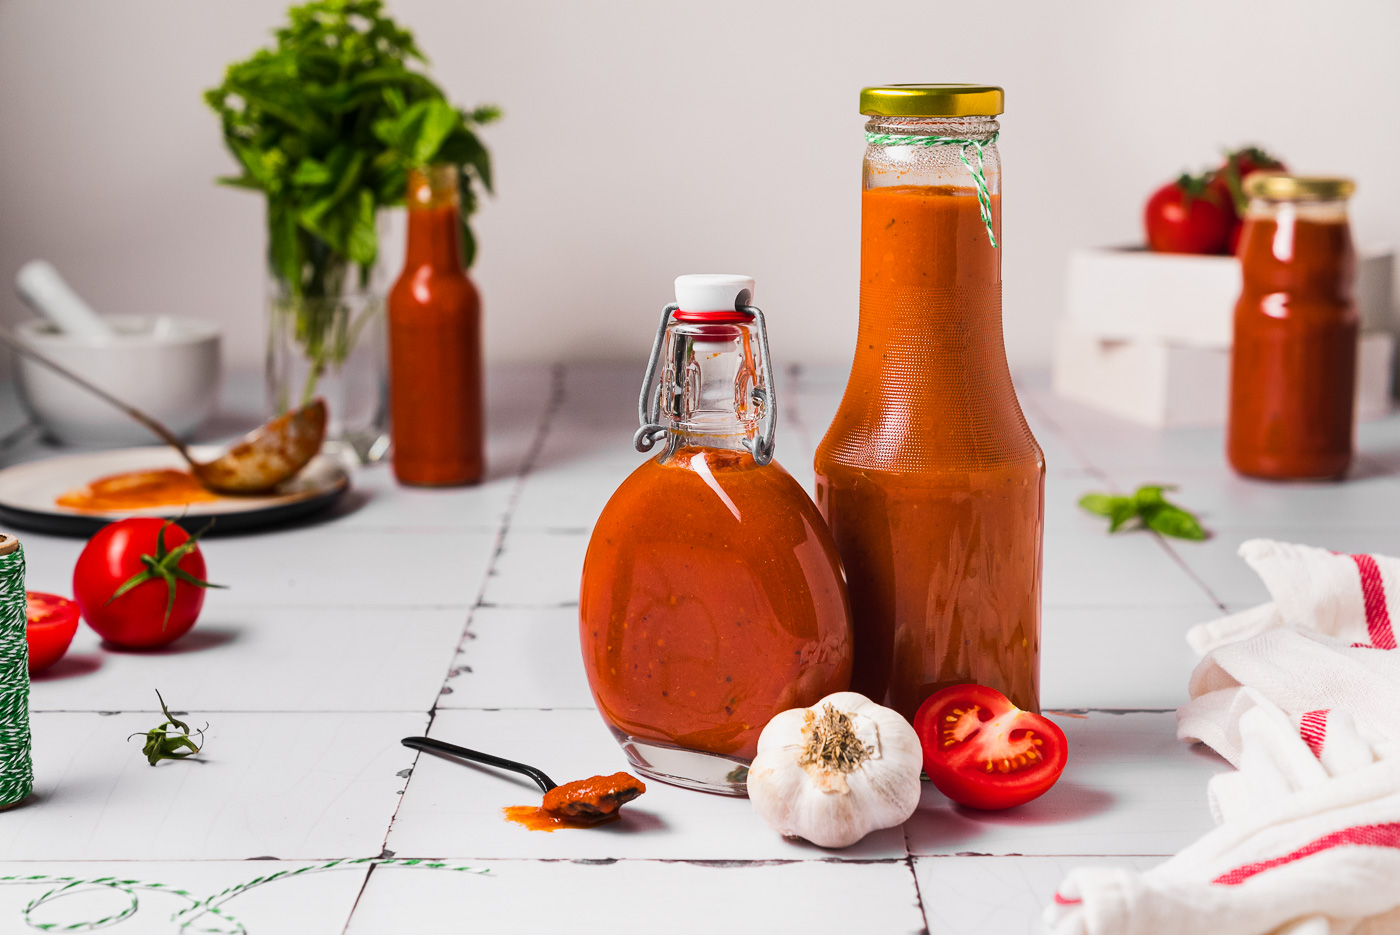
{"x":16,"y":764}
{"x":199,"y":907}
{"x":977,"y":171}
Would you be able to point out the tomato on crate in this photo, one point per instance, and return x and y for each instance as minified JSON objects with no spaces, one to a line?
{"x":140,"y":582}
{"x":50,"y":622}
{"x":982,"y":751}
{"x":1189,"y":215}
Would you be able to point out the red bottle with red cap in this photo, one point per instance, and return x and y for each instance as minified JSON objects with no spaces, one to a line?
{"x":712,"y":594}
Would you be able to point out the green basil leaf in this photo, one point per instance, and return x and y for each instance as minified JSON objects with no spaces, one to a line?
{"x":1102,"y":504}
{"x":1122,"y":513}
{"x":1173,"y":521}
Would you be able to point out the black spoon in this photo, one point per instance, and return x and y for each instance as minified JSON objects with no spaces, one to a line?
{"x":441,"y":748}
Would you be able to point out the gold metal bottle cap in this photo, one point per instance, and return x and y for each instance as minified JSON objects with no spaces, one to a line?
{"x":1280,"y":186}
{"x":932,"y":100}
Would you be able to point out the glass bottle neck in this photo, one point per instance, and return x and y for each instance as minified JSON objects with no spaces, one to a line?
{"x":711,"y":370}
{"x":434,"y":212}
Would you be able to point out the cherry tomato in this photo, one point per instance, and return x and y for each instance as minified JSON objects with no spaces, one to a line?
{"x":51,"y":623}
{"x":159,"y":600}
{"x":982,"y":751}
{"x":1188,"y":216}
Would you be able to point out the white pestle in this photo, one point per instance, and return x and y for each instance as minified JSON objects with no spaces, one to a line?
{"x":45,"y":291}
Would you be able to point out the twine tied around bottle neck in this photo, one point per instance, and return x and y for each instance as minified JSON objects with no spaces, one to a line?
{"x":976,"y":170}
{"x":16,"y":767}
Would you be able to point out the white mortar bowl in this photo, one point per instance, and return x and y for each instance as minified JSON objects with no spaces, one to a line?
{"x":166,"y":367}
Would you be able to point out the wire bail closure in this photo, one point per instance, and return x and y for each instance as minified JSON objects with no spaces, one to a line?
{"x":649,"y":403}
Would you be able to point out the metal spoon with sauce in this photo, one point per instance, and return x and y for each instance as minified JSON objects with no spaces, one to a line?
{"x":588,"y":800}
{"x":258,"y":462}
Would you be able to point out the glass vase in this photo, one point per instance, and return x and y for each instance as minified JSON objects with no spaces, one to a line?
{"x":332,"y":346}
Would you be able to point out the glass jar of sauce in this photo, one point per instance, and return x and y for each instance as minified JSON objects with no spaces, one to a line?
{"x":929,"y":477}
{"x":435,"y":392}
{"x":712,"y":595}
{"x":1293,"y":363}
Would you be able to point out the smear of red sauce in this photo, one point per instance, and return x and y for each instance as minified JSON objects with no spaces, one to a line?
{"x":580,"y":804}
{"x":136,"y":490}
{"x":537,"y":819}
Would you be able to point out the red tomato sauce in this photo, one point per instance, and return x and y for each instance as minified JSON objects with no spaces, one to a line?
{"x":929,"y":477}
{"x":711,"y":600}
{"x":435,"y":345}
{"x":583,"y":803}
{"x":136,"y":490}
{"x":1293,"y":373}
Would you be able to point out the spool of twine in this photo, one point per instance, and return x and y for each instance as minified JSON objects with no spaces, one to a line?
{"x":16,"y":765}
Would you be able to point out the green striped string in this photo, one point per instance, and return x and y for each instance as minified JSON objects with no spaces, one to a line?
{"x":16,"y":766}
{"x":198,"y":908}
{"x":979,"y":178}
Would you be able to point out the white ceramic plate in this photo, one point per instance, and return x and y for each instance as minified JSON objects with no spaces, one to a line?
{"x":28,"y":493}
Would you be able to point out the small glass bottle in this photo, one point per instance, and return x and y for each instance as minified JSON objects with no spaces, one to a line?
{"x":929,"y":477}
{"x":1293,"y":362}
{"x":435,"y":343}
{"x":712,"y":594}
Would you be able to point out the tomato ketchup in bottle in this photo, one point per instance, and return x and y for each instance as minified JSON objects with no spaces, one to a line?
{"x":712,"y":594}
{"x":1293,"y":362}
{"x":929,"y":477}
{"x":435,"y":343}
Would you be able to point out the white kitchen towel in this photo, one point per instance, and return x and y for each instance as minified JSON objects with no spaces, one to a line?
{"x":1302,"y":696}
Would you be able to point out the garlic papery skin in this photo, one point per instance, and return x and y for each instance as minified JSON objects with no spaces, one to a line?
{"x":836,"y":771}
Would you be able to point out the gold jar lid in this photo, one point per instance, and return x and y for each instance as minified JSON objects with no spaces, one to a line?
{"x":932,"y":100}
{"x":1280,"y":186}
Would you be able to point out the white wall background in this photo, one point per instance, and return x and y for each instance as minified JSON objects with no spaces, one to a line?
{"x":644,"y":139}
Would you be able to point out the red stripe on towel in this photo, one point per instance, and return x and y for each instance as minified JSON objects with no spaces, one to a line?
{"x":1313,"y":728}
{"x":1387,"y":835}
{"x":1064,"y":901}
{"x":1373,"y":591}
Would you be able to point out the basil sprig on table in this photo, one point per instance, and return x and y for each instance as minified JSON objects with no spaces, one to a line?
{"x":326,"y":124}
{"x":1149,"y":507}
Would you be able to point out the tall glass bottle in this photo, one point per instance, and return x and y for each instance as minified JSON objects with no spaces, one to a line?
{"x":929,"y":477}
{"x":435,"y":344}
{"x":712,"y":596}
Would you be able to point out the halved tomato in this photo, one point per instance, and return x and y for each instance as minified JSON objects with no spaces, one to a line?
{"x":51,"y":622}
{"x":982,"y":751}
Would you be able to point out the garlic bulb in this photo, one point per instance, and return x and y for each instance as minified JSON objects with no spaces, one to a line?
{"x":834,"y":772}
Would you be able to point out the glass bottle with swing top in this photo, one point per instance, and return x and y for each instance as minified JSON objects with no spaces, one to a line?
{"x":712,"y":594}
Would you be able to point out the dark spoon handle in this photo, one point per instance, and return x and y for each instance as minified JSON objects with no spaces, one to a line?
{"x":451,"y":749}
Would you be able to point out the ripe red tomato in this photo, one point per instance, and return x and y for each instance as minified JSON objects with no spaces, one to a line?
{"x":140,"y":582}
{"x":1188,"y":216}
{"x":982,"y":751}
{"x":1228,"y":182}
{"x":51,"y":623}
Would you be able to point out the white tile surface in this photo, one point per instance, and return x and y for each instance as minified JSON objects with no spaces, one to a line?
{"x":360,"y":616}
{"x":315,"y":566}
{"x":377,"y":502}
{"x":643,"y":897}
{"x":984,"y":895}
{"x":566,"y":498}
{"x":519,"y":657}
{"x":537,"y":569}
{"x":1130,"y":787}
{"x":1094,"y":569}
{"x":241,"y":658}
{"x":312,"y":903}
{"x":285,"y":785}
{"x":452,"y":808}
{"x":1133,"y":656}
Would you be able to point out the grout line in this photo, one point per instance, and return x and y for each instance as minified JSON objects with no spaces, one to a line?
{"x":1061,"y":435}
{"x":914,"y":877}
{"x":551,"y":407}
